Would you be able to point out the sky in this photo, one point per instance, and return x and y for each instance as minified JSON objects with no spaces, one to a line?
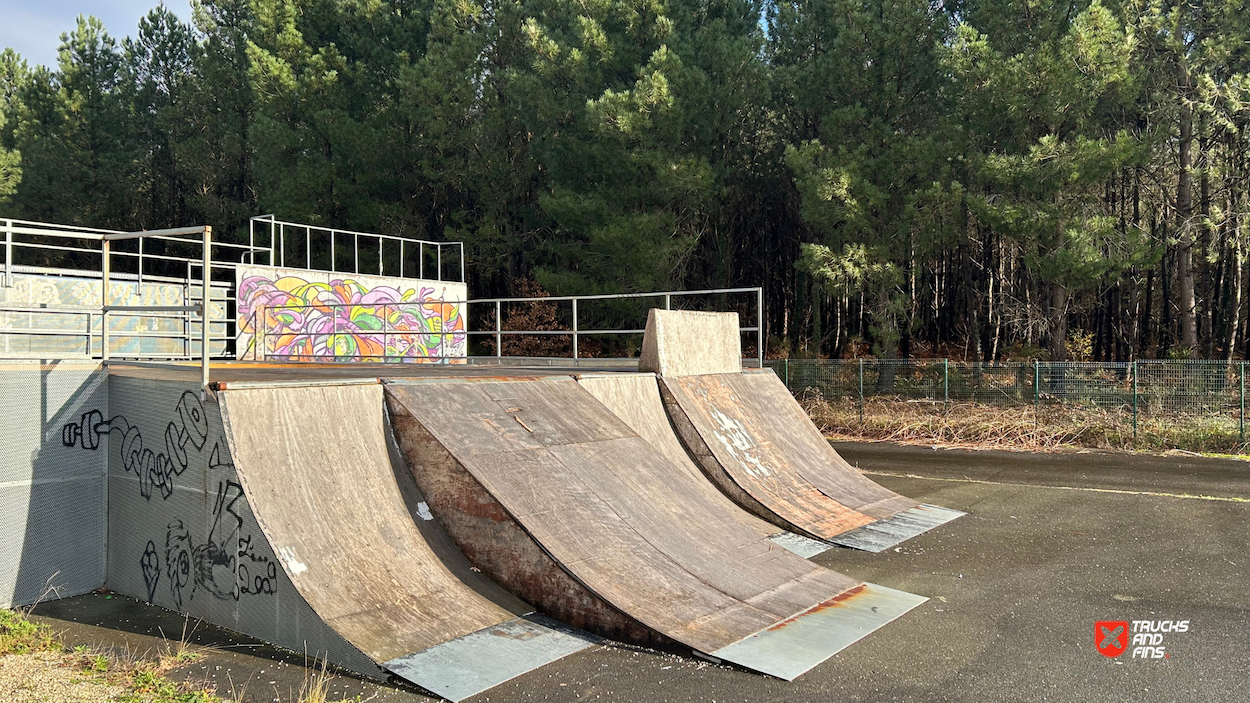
{"x":33,"y":28}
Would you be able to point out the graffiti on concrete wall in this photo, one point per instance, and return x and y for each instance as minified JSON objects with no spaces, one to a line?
{"x":224,"y":564}
{"x":287,"y":316}
{"x":156,"y":470}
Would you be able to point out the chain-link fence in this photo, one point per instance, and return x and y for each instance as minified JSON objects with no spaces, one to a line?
{"x":1195,"y":405}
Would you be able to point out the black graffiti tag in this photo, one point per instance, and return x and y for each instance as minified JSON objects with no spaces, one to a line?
{"x":156,"y":470}
{"x":222,"y":565}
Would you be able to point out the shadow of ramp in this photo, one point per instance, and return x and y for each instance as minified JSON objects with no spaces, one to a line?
{"x":331,"y":506}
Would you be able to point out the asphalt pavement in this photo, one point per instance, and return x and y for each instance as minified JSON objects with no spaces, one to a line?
{"x":1052,"y":544}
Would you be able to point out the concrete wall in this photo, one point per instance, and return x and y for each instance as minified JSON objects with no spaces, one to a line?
{"x":52,"y":496}
{"x":379,"y":317}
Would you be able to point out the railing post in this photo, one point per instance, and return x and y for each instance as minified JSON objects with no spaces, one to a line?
{"x":104,"y":299}
{"x":861,"y":393}
{"x":386,"y":321}
{"x":787,"y":372}
{"x":574,"y":329}
{"x":334,"y":337}
{"x":8,"y":253}
{"x":760,"y":339}
{"x":498,"y":327}
{"x":260,"y":326}
{"x":668,"y":301}
{"x":1134,"y":402}
{"x":205,"y":335}
{"x":1241,"y":416}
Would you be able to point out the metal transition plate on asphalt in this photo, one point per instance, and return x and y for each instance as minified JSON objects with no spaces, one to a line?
{"x":887,"y":532}
{"x":805,"y":547}
{"x":792,"y":647}
{"x":475,"y":662}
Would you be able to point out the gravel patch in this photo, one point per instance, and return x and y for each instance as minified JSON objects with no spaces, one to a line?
{"x":46,"y":677}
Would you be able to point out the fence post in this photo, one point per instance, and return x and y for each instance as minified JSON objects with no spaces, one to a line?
{"x":1134,"y":403}
{"x":575,"y":331}
{"x":1241,"y":417}
{"x":946,"y":383}
{"x":861,"y":393}
{"x":787,"y":373}
{"x":1037,"y":382}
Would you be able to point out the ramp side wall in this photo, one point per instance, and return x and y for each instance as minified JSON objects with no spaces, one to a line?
{"x":181,"y":534}
{"x":52,"y":491}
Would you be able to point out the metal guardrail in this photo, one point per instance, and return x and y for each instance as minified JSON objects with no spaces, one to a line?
{"x":343,"y":328}
{"x":576,"y":332}
{"x":22,"y":236}
{"x":279,"y":232}
{"x":1157,"y":388}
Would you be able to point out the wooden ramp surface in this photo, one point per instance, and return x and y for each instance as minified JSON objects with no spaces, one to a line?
{"x":317,"y":468}
{"x":635,"y":529}
{"x":748,"y":429}
{"x":635,"y":399}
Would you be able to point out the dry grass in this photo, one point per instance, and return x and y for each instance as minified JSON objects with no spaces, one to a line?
{"x":1050,"y":427}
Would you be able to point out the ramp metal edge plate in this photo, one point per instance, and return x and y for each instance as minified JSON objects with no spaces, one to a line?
{"x":805,"y":547}
{"x":471,"y":664}
{"x":792,"y":647}
{"x":888,"y":532}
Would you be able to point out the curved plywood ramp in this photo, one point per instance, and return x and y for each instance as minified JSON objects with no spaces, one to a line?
{"x":635,"y":399}
{"x":554,"y":497}
{"x":759,"y":446}
{"x":351,"y":531}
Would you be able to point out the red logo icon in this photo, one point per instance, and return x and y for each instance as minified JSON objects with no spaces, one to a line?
{"x":1111,"y":636}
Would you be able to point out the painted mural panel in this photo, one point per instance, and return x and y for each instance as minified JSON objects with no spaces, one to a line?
{"x":299,"y":315}
{"x":57,"y":321}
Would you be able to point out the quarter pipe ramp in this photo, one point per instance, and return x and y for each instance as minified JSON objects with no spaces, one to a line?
{"x":352,"y":533}
{"x":754,"y":440}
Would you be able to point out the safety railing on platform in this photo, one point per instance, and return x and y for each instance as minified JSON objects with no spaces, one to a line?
{"x":421,"y":330}
{"x":750,"y":298}
{"x":70,"y":251}
{"x":317,"y":248}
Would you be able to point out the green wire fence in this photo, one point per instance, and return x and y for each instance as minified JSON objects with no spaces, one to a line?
{"x":1131,"y":390}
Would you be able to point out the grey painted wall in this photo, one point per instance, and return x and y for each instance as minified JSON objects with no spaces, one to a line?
{"x":52,"y":496}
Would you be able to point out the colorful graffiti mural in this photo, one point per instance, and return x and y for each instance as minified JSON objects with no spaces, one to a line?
{"x":285,"y":316}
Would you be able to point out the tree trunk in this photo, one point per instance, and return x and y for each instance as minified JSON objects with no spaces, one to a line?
{"x":1187,"y":312}
{"x":1059,"y":322}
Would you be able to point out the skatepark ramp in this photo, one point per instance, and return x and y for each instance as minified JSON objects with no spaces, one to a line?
{"x":558,"y":500}
{"x":757,"y":444}
{"x":352,"y":533}
{"x":635,"y":399}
